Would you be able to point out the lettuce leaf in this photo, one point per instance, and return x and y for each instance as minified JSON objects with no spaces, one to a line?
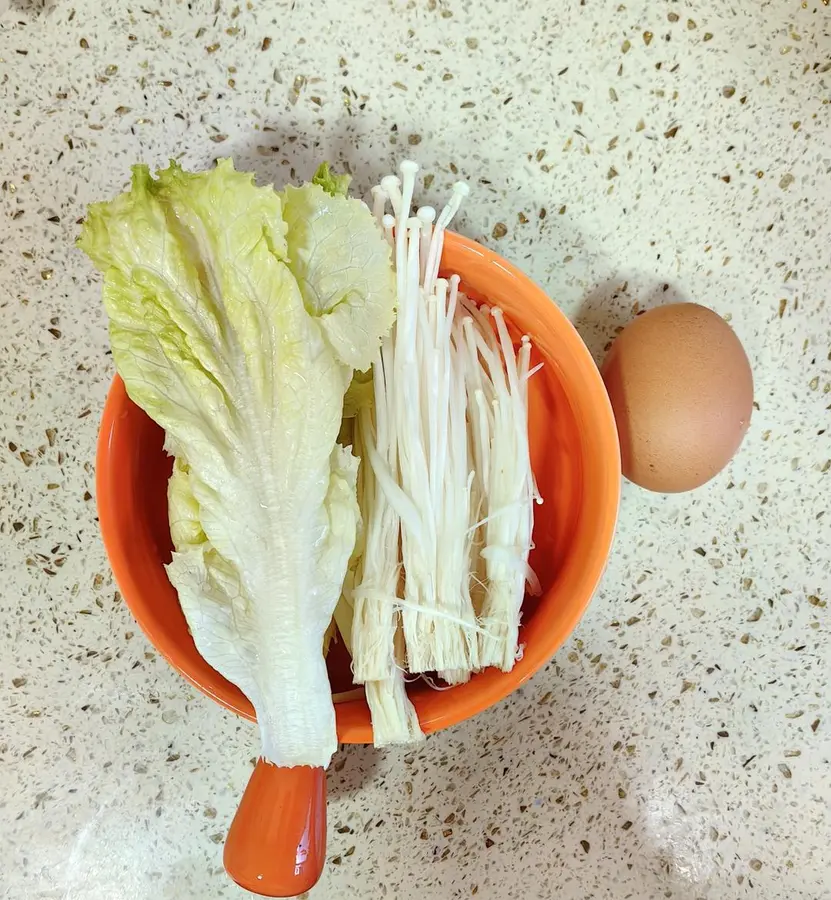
{"x":237,"y":316}
{"x":339,"y":263}
{"x":333,"y":184}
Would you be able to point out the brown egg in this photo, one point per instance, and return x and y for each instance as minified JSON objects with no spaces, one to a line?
{"x":682,"y":392}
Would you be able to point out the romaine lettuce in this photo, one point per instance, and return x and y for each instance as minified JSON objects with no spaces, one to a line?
{"x":237,"y":316}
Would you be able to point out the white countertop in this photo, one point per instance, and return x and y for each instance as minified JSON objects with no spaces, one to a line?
{"x":678,"y":746}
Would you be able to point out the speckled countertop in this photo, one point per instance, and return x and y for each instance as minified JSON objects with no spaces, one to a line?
{"x":624,"y":154}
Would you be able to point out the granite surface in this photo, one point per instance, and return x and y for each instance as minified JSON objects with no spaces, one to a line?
{"x":624,"y":154}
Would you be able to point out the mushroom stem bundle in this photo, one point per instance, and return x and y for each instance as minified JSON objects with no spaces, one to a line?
{"x":447,"y":489}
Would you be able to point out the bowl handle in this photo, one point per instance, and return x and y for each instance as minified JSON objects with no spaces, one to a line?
{"x":276,"y":845}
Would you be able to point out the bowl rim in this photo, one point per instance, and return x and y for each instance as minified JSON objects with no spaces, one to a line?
{"x":486,"y":687}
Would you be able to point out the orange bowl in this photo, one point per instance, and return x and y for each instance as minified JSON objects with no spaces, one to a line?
{"x":576,"y":460}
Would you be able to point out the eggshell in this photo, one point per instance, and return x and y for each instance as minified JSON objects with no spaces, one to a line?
{"x":682,"y":392}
